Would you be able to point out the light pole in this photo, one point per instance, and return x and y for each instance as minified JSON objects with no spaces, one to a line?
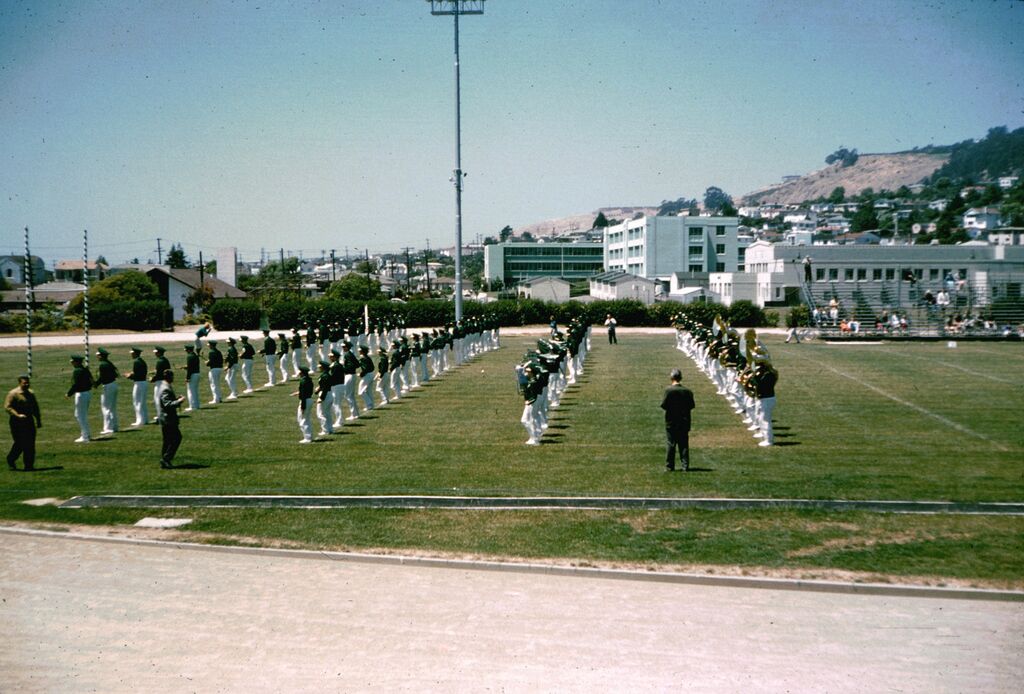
{"x":456,"y":8}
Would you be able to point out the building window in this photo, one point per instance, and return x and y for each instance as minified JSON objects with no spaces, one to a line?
{"x":720,"y":248}
{"x":719,"y":267}
{"x":696,"y":234}
{"x":819,"y":274}
{"x":741,"y":268}
{"x":848,"y":274}
{"x":696,"y":268}
{"x":933,"y":274}
{"x":833,"y":273}
{"x":890,"y":273}
{"x":719,"y":231}
{"x":876,"y":274}
{"x":697,"y":250}
{"x":862,"y":274}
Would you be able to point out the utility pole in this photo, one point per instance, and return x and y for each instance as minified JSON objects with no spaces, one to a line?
{"x":333,"y":266}
{"x":456,"y":8}
{"x":408,"y":270}
{"x":159,"y":252}
{"x":282,"y":260}
{"x":426,"y":265}
{"x":369,"y":285}
{"x":202,"y":271}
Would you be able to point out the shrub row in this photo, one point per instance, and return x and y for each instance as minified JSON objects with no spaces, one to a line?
{"x":131,"y":315}
{"x":245,"y":314}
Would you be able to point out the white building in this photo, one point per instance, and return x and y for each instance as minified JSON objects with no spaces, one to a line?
{"x":553,"y":289}
{"x":616,"y":284}
{"x":978,"y":219}
{"x":176,"y":286}
{"x":657,"y":247}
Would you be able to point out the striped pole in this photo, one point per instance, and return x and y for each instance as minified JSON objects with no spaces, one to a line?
{"x":28,"y":303}
{"x":85,"y":297}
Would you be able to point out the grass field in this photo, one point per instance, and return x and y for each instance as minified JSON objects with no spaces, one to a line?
{"x":909,"y":421}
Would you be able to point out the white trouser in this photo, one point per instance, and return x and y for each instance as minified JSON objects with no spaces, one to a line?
{"x":311,"y":356}
{"x":230,"y":375}
{"x":214,"y":376}
{"x":282,"y":364}
{"x":396,"y":385}
{"x":295,"y":362}
{"x":424,"y":370}
{"x":193,"y":392}
{"x":528,"y":421}
{"x":323,"y":414}
{"x":384,"y":387}
{"x":158,"y":387}
{"x":247,"y":374}
{"x":140,"y":389}
{"x":366,"y":390}
{"x":767,"y":405}
{"x":270,"y":359}
{"x":412,"y":374}
{"x":82,"y":413}
{"x":108,"y":406}
{"x":350,"y":395}
{"x":302,"y":415}
{"x":337,"y":395}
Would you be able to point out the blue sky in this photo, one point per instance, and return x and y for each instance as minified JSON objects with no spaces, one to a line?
{"x":319,"y":125}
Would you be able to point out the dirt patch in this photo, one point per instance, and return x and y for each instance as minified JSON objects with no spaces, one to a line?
{"x":841,"y":543}
{"x":800,"y":574}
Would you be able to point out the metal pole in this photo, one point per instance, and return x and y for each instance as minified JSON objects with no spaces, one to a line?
{"x":28,"y":303}
{"x":85,"y":296}
{"x":458,"y":179}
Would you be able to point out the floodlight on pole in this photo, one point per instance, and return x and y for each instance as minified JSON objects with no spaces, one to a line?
{"x":456,"y":8}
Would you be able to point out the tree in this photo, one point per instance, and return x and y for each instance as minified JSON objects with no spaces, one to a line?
{"x":864,"y":219}
{"x":670,"y":208}
{"x":201,"y":298}
{"x":274,"y":281}
{"x":846,"y":157}
{"x":490,"y":241}
{"x":101,"y":260}
{"x":505,"y":234}
{"x":176,"y":258}
{"x":354,"y":286}
{"x":837,"y":196}
{"x":126,"y":286}
{"x":600,"y":221}
{"x":526,"y":236}
{"x":717,"y":200}
{"x":4,"y":284}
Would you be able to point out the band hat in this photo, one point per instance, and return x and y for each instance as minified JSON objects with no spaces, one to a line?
{"x":137,"y":349}
{"x":212,"y":343}
{"x":245,"y":338}
{"x":159,"y":350}
{"x":77,"y":357}
{"x":231,"y":340}
{"x":335,"y":353}
{"x":324,"y":365}
{"x":102,"y":352}
{"x":189,"y":348}
{"x":304,"y":369}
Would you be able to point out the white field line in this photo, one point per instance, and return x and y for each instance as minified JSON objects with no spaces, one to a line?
{"x":957,"y":367}
{"x":917,"y":408}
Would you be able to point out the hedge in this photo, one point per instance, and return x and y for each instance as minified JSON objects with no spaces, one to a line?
{"x":244,"y":314}
{"x":131,"y":315}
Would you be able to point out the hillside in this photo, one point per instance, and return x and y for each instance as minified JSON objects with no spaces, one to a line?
{"x":581,"y":222}
{"x":876,"y":171}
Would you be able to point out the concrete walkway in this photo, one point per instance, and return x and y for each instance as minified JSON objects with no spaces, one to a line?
{"x":89,"y":616}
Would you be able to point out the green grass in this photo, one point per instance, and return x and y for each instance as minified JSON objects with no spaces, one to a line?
{"x":908,"y":421}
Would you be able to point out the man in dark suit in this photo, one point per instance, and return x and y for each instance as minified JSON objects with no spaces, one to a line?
{"x":169,"y":404}
{"x":677,"y":403}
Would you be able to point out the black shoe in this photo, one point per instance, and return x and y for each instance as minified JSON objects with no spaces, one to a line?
{"x":166,"y":466}
{"x":12,"y":466}
{"x":669,"y":468}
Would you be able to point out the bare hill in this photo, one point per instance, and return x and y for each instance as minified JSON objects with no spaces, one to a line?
{"x":581,"y":222}
{"x":877,"y":171}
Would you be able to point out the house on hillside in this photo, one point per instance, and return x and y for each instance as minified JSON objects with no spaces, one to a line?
{"x":176,"y":285}
{"x":938,"y":205}
{"x":981,"y":219}
{"x":57,"y":293}
{"x":1007,"y":182}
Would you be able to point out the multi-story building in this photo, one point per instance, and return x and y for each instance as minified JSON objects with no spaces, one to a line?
{"x":515,"y":261}
{"x":658,"y":247}
{"x":774,"y":272}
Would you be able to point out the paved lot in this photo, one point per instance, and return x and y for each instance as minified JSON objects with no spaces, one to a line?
{"x":88,"y":616}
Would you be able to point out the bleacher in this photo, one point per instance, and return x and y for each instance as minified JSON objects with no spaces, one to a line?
{"x":865,"y":310}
